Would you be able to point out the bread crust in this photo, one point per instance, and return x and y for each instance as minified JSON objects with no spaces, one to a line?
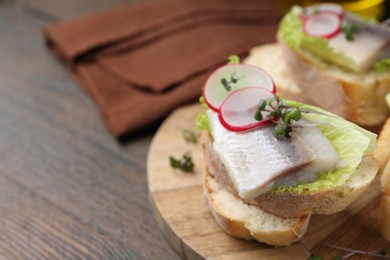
{"x":382,"y":151}
{"x":233,"y":227}
{"x":288,"y":204}
{"x":342,"y":196}
{"x":357,"y":98}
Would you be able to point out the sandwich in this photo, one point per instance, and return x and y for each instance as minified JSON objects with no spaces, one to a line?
{"x":325,"y":51}
{"x":270,"y":162}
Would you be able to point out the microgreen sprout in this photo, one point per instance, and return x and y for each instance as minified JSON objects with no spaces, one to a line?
{"x":232,"y":59}
{"x":189,"y":136}
{"x":348,"y":30}
{"x":280,"y":114}
{"x":184,"y":164}
{"x":227,"y":84}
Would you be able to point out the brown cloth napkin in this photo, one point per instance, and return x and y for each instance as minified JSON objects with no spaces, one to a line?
{"x":141,"y":61}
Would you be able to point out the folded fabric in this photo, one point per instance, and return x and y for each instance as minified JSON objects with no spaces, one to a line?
{"x":141,"y":61}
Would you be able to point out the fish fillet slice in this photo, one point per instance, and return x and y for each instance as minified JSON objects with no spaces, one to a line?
{"x":254,"y":159}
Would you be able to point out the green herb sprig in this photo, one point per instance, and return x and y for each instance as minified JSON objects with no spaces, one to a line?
{"x":284,"y":116}
{"x":280,"y":114}
{"x":232,"y":59}
{"x":189,"y":136}
{"x":349,"y":30}
{"x":227,"y":84}
{"x":185,"y":164}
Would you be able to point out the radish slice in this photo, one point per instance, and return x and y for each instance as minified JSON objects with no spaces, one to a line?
{"x":214,"y":91}
{"x":238,"y":110}
{"x":326,"y":7}
{"x":325,"y":24}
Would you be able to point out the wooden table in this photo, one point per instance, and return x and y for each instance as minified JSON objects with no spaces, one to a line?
{"x":68,"y":189}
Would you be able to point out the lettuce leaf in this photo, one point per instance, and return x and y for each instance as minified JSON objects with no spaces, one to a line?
{"x":202,"y":122}
{"x":382,"y":65}
{"x":290,"y":28}
{"x":350,"y":141}
{"x":290,"y":31}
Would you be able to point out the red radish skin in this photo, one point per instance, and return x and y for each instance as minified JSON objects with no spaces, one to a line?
{"x":242,"y":105}
{"x":324,"y":24}
{"x":208,"y":103}
{"x":257,"y":77}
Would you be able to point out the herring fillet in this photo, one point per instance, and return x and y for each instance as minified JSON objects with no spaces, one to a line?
{"x":364,"y":50}
{"x":370,"y":43}
{"x":327,"y":158}
{"x":254,"y":159}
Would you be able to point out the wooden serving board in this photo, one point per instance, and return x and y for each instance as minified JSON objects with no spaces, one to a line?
{"x":179,"y":207}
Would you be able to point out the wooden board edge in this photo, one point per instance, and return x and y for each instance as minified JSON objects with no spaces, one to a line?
{"x":181,"y":248}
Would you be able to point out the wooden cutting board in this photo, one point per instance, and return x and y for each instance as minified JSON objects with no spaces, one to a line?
{"x":179,"y":207}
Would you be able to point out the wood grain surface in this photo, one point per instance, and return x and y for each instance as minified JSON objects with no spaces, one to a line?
{"x":179,"y":205}
{"x":68,"y":189}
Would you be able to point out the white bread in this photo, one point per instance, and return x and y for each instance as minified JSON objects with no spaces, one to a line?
{"x":244,"y":221}
{"x":358,"y":98}
{"x":295,"y":205}
{"x":269,"y":57}
{"x":382,"y":151}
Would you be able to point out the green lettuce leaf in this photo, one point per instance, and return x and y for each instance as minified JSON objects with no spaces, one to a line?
{"x":382,"y":65}
{"x":202,"y":122}
{"x":290,"y":31}
{"x":350,"y":141}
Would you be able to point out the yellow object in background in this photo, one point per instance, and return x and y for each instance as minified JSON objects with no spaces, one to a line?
{"x":366,"y":8}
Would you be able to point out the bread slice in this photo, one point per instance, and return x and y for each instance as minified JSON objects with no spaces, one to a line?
{"x":298,"y":76}
{"x":270,"y":58}
{"x":245,"y":221}
{"x":382,"y":151}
